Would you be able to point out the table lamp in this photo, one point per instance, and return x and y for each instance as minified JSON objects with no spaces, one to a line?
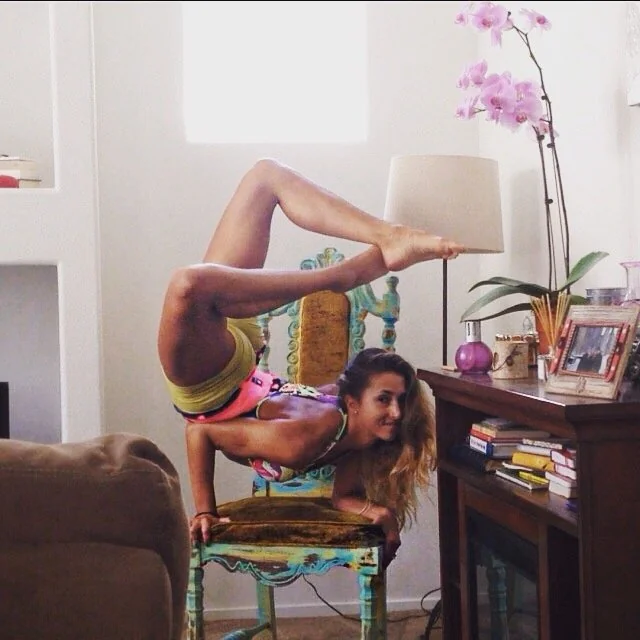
{"x":457,"y":197}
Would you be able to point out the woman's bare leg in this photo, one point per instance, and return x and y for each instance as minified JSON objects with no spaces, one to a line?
{"x":193,"y":341}
{"x":247,"y":221}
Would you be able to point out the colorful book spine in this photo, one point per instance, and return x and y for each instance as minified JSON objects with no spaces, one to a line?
{"x":532,"y":460}
{"x":492,"y":449}
{"x":515,"y":478}
{"x":567,"y":457}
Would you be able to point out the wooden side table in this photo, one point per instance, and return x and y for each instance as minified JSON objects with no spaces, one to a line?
{"x":588,"y":562}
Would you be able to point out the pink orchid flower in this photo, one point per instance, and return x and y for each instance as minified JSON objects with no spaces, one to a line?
{"x":524,"y":111}
{"x":529,"y":96}
{"x":535,"y":19}
{"x":498,"y":95}
{"x":468,"y":109}
{"x":474,"y":75}
{"x":514,"y":104}
{"x":487,"y":16}
{"x":462,"y":17}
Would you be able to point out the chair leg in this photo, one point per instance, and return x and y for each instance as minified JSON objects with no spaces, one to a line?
{"x":195,"y":614}
{"x":266,"y":608}
{"x":373,"y":607}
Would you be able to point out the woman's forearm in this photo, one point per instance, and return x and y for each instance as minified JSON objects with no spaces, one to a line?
{"x":382,"y":516}
{"x":201,"y":460}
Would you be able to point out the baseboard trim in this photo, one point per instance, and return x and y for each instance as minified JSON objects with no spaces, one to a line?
{"x":316,"y":610}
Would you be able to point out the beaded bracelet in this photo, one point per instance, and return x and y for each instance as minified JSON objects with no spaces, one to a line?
{"x":367,"y":506}
{"x":205,"y":513}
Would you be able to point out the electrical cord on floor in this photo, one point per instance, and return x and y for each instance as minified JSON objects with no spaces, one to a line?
{"x":427,"y":613}
{"x":434,"y":617}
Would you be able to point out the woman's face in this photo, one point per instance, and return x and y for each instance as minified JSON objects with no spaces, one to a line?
{"x":380,"y":408}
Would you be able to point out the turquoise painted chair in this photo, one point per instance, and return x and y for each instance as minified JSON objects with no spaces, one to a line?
{"x":289,"y":529}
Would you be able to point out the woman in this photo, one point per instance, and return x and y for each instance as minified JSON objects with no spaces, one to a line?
{"x":208,"y":343}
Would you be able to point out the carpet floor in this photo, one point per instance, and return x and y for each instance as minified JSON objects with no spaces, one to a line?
{"x":402,"y":626}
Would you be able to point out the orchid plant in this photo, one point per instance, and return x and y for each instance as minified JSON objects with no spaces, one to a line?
{"x":517,"y":104}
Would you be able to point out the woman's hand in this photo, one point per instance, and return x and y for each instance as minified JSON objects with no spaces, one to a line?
{"x":201,"y":525}
{"x":386,"y":519}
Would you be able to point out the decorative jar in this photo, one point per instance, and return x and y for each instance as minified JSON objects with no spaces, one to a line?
{"x":473,"y":355}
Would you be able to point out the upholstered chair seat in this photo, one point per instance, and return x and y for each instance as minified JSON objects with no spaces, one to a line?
{"x":286,"y":521}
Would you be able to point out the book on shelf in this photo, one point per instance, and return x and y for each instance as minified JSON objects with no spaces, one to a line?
{"x":567,"y":457}
{"x":515,"y":477}
{"x":492,"y":449}
{"x":533,"y":477}
{"x":567,"y":472}
{"x":465,"y":455}
{"x":501,"y":436}
{"x":562,"y":490}
{"x":507,"y":431}
{"x":536,"y":449}
{"x":22,"y":169}
{"x":533,"y":460}
{"x":558,"y":479}
{"x":520,"y":467}
{"x":547,"y":443}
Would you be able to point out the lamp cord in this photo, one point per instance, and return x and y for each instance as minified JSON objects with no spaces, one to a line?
{"x":431,"y":619}
{"x":445,"y":302}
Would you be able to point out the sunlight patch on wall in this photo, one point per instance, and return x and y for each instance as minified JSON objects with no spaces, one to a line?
{"x":287,"y":72}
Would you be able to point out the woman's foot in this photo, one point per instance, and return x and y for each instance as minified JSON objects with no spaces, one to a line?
{"x":405,"y":246}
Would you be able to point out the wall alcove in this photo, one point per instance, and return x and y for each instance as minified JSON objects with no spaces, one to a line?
{"x":49,"y":276}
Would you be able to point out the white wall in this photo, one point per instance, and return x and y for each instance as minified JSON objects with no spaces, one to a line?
{"x":46,"y":104}
{"x":26,"y":110}
{"x":30,"y":348}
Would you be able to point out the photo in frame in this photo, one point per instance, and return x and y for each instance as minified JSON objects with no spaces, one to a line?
{"x":592,"y":352}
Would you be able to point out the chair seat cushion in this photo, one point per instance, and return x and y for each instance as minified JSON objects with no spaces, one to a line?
{"x":281,"y":521}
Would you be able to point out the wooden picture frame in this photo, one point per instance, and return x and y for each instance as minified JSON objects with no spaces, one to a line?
{"x":593,"y":349}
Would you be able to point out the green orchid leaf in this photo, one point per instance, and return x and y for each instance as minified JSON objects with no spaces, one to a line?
{"x":522,"y":306}
{"x":495,"y":294}
{"x":526,"y":288}
{"x":582,"y":267}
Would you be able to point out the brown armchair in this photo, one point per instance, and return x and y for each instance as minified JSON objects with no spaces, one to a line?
{"x":94,"y":541}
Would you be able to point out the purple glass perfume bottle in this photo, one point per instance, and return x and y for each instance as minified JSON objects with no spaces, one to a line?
{"x":473,"y":355}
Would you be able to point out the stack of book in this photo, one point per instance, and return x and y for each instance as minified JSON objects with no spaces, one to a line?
{"x":527,"y":469}
{"x":22,"y":170}
{"x":530,"y":458}
{"x":563,"y":478}
{"x":490,"y":442}
{"x":499,"y":438}
{"x":554,"y":459}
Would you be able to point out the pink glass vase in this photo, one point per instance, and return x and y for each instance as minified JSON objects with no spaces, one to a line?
{"x":473,"y":355}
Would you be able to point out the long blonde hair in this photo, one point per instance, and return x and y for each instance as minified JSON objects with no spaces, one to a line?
{"x":393,"y":472}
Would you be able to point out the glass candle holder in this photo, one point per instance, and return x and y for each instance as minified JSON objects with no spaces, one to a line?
{"x":473,"y":355}
{"x":632,"y":293}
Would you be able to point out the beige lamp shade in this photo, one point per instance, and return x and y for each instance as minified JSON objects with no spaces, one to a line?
{"x":457,"y":197}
